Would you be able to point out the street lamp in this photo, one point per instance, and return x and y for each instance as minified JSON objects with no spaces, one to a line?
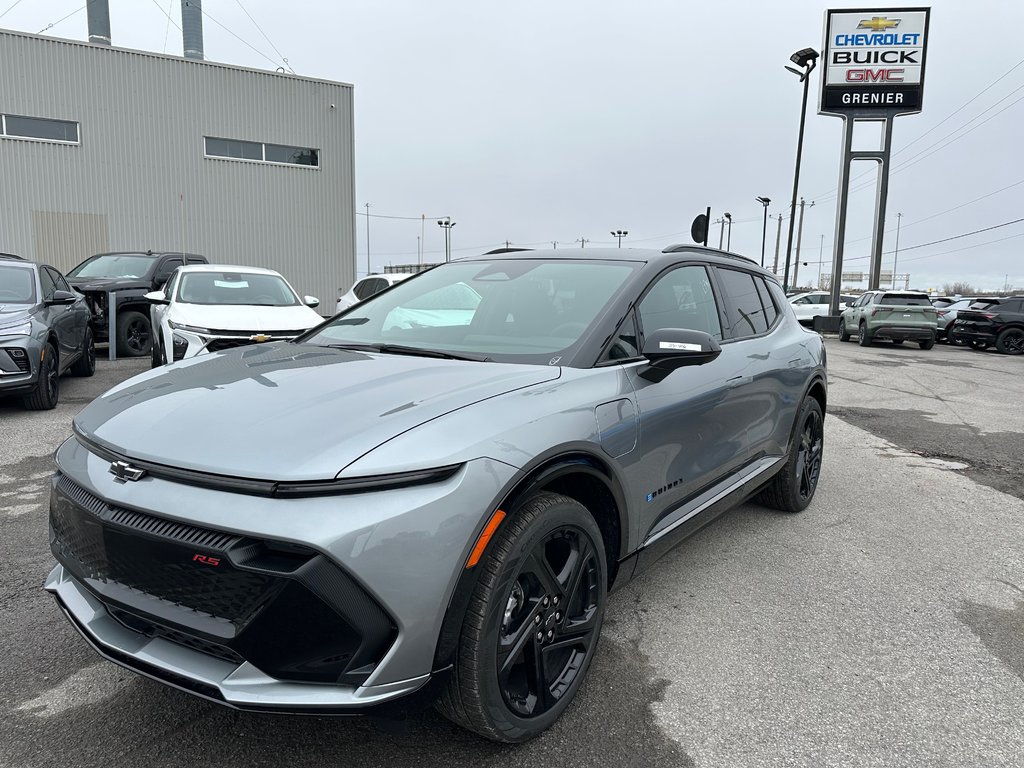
{"x":446,"y":224}
{"x":764,"y":228}
{"x":619,"y":234}
{"x":899,"y":218}
{"x":728,"y":237}
{"x":807,"y":58}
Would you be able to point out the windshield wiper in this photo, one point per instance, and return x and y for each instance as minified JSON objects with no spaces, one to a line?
{"x":401,"y":349}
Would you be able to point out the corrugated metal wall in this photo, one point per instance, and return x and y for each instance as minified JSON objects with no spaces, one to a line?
{"x":139,"y":178}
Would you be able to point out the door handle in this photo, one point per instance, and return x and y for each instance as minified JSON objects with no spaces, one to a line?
{"x":739,"y":381}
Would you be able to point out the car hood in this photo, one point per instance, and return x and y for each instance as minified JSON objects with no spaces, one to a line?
{"x":286,"y":411}
{"x":107,"y":283}
{"x":11,"y":314}
{"x":245,"y":318}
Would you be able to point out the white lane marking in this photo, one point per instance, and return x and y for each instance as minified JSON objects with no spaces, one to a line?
{"x":90,"y":685}
{"x":18,"y":510}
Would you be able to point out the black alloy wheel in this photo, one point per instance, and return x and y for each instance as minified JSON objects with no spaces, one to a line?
{"x":547,"y":630}
{"x":86,"y":364}
{"x":1011,"y":341}
{"x":844,"y":335}
{"x":134,"y":335}
{"x":863,"y":338}
{"x":533,"y":622}
{"x":792,"y":489}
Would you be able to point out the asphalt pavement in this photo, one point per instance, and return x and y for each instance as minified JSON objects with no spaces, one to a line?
{"x":883,"y":626}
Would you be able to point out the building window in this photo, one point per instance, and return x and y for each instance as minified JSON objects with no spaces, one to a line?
{"x":44,"y":129}
{"x":263,"y":153}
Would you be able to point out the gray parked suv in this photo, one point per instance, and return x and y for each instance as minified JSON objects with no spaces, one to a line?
{"x":44,"y":332}
{"x":429,"y":496}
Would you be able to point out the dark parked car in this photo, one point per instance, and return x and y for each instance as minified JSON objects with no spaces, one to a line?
{"x":992,"y":321}
{"x":132,"y":274}
{"x":44,"y":332}
{"x":501,"y":465}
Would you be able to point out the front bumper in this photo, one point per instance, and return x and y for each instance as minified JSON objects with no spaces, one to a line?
{"x":19,"y":364}
{"x":129,"y":581}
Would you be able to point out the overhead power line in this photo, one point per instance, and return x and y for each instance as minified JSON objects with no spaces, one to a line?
{"x":271,"y":42}
{"x":10,"y":8}
{"x":58,"y":21}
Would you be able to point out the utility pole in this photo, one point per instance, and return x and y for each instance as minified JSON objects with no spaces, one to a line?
{"x":419,"y":255}
{"x":896,"y":255}
{"x":799,"y":236}
{"x":367,"y":238}
{"x":821,"y":251}
{"x":423,"y":237}
{"x":778,"y":240}
{"x":728,"y":238}
{"x":583,"y":242}
{"x":721,"y":232}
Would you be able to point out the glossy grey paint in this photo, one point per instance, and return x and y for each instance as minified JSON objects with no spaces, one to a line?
{"x":253,"y":412}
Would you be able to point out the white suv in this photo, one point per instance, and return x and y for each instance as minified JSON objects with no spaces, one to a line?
{"x":365,"y":288}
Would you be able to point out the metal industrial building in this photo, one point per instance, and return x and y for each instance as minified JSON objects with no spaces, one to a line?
{"x":106,"y":149}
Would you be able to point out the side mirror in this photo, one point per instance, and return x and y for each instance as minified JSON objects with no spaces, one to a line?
{"x":848,"y":305}
{"x":156,"y":297}
{"x":63,"y":297}
{"x":671,"y":348}
{"x":311,"y":301}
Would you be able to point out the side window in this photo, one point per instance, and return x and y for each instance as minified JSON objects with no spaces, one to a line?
{"x":58,"y":280}
{"x":366,"y":287}
{"x":171,"y":283}
{"x":804,"y":300}
{"x":49,"y":285}
{"x":166,"y":268}
{"x":681,"y":298}
{"x":625,"y":344}
{"x":742,"y":303}
{"x":770,"y":310}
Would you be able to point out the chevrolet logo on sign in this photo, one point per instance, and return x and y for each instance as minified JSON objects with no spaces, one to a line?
{"x":878,"y":23}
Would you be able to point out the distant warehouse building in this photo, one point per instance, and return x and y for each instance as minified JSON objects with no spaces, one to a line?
{"x":107,"y":149}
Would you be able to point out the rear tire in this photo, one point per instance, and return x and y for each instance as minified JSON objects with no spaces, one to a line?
{"x":926,"y":344}
{"x":897,"y":342}
{"x":134,"y":334}
{"x":1011,"y":341}
{"x":86,"y":364}
{"x":863,"y":337}
{"x":792,"y":489}
{"x":47,"y":392}
{"x":844,"y":335}
{"x":532,"y":625}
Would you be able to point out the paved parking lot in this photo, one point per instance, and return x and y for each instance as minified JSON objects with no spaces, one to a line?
{"x":883,"y":626}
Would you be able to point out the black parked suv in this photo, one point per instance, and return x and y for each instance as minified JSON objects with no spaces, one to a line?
{"x":992,"y":321}
{"x":44,"y":332}
{"x":132,"y":274}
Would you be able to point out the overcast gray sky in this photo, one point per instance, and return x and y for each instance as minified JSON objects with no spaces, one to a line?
{"x":545,"y":120}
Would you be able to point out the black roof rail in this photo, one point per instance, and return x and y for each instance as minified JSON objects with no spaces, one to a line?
{"x":506,"y":250}
{"x":679,"y":247}
{"x":12,"y":256}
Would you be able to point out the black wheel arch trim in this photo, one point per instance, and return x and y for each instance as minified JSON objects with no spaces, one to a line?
{"x":560,"y":461}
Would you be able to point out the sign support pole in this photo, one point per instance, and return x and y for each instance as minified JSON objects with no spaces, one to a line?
{"x":840,"y":236}
{"x":881,"y":198}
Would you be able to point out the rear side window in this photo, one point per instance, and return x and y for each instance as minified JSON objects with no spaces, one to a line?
{"x":770,"y":310}
{"x":743,"y":306}
{"x":1011,"y":306}
{"x":367,"y":288}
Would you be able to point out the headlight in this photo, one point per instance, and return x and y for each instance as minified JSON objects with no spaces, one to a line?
{"x":182,"y":327}
{"x":23,"y":328}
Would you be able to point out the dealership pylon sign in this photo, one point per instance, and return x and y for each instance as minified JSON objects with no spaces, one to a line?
{"x":874,"y":61}
{"x":874,"y":72}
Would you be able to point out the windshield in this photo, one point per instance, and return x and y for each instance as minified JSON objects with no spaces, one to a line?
{"x":114,"y":265}
{"x":17,"y":285}
{"x":515,"y":310}
{"x":235,"y":288}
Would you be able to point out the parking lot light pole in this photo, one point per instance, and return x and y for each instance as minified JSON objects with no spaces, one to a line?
{"x":808,"y":59}
{"x":728,"y":236}
{"x":619,"y":234}
{"x":446,"y":224}
{"x":367,"y":238}
{"x":896,"y":255}
{"x":765,"y":201}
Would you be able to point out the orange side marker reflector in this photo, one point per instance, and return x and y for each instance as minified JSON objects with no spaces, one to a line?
{"x":485,"y":537}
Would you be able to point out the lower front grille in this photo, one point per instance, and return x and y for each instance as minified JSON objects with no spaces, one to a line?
{"x":19,"y":358}
{"x":219,"y":345}
{"x":286,"y":609}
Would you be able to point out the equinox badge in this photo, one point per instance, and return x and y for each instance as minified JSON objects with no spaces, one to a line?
{"x":124,"y":471}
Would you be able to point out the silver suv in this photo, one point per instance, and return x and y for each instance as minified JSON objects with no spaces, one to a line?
{"x":428,"y":497}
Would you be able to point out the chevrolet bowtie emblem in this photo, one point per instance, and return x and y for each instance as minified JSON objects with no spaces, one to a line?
{"x":124,"y":471}
{"x":260,"y":337}
{"x":878,"y":23}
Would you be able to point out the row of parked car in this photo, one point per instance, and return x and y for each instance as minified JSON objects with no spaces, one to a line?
{"x":168,"y":305}
{"x":898,"y":316}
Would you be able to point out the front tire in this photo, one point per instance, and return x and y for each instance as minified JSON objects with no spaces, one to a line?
{"x":134,"y":334}
{"x":47,"y":392}
{"x":844,"y":335}
{"x":531,"y":629}
{"x":792,"y":489}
